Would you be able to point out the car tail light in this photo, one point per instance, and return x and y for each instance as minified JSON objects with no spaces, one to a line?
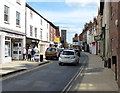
{"x":56,"y":53}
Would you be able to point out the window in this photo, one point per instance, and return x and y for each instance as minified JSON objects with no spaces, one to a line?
{"x":47,"y":26}
{"x":67,"y":53}
{"x":35,"y":32}
{"x":6,"y":13}
{"x":41,"y":21}
{"x":31,"y":28}
{"x":17,"y":18}
{"x":47,"y":36}
{"x":40,"y":34}
{"x":7,"y":49}
{"x":31,"y":14}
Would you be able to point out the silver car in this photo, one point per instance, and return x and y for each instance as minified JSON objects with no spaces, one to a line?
{"x":68,"y":56}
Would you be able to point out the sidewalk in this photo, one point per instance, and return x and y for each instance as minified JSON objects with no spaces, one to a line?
{"x":95,"y":77}
{"x":17,"y":66}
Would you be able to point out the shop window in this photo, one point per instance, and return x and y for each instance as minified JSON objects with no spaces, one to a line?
{"x":19,"y":44}
{"x":15,"y":45}
{"x":15,"y":52}
{"x":20,"y":52}
{"x":7,"y":49}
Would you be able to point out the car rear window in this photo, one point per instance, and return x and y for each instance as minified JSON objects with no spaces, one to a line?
{"x":77,"y":50}
{"x":68,"y":53}
{"x":51,"y":49}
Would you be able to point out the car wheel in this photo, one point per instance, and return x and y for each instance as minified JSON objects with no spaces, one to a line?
{"x":57,"y":58}
{"x":46,"y":58}
{"x":61,"y":64}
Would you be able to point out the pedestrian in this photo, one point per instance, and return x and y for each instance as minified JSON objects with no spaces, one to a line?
{"x":29,"y":53}
{"x":36,"y":49}
{"x":24,"y":53}
{"x":32,"y":54}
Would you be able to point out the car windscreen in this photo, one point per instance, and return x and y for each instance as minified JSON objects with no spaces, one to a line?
{"x":68,"y":53}
{"x":51,"y":49}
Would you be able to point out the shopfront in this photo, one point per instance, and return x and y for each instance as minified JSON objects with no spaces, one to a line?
{"x":43,"y":46}
{"x":11,"y":46}
{"x":30,"y":42}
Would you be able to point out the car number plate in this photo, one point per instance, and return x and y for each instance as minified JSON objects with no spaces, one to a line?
{"x":67,"y":57}
{"x":50,"y":53}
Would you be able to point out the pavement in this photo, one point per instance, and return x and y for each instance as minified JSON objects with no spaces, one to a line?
{"x":17,"y":66}
{"x":96,"y":77}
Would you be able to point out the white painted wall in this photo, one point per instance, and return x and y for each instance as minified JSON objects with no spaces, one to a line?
{"x":36,"y":22}
{"x":46,"y":30}
{"x":13,"y":7}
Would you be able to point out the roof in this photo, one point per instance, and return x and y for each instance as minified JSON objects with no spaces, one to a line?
{"x":40,"y":15}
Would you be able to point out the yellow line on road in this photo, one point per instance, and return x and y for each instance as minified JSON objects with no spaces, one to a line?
{"x":20,"y":73}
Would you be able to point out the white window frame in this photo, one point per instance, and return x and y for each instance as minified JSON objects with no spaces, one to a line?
{"x":41,"y":34}
{"x":6,"y":13}
{"x":31,"y":14}
{"x":31,"y":30}
{"x":35,"y":32}
{"x":17,"y":18}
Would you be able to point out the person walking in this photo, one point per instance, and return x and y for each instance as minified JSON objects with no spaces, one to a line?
{"x":24,"y":53}
{"x":32,"y":54}
{"x":29,"y":53}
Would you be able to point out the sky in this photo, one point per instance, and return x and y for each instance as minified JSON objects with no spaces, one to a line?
{"x":68,"y":14}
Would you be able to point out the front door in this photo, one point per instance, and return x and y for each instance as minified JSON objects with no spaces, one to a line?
{"x":17,"y":51}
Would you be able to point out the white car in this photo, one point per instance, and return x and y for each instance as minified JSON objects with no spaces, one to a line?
{"x":69,"y":56}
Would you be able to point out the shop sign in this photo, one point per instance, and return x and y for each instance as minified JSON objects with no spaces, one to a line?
{"x":57,"y":39}
{"x":97,"y":38}
{"x":13,"y":35}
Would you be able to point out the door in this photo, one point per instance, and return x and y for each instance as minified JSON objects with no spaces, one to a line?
{"x":17,"y":51}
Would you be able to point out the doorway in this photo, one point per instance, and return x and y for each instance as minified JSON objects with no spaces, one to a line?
{"x":16,"y":49}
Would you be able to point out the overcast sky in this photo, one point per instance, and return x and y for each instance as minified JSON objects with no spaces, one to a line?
{"x":68,"y":14}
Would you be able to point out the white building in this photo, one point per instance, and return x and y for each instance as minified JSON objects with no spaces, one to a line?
{"x":12,"y":29}
{"x":37,"y":30}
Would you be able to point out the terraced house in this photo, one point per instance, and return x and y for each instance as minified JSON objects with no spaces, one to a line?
{"x":12,"y":29}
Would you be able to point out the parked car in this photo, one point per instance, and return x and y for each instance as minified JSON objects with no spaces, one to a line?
{"x":51,"y":53}
{"x":68,"y":56}
{"x":77,"y":51}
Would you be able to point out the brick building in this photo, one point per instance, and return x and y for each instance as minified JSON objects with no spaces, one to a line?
{"x":112,"y":36}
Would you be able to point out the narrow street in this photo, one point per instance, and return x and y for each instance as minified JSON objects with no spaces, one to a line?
{"x":51,"y":77}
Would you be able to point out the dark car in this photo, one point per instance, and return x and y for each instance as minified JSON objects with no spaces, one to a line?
{"x":51,"y":53}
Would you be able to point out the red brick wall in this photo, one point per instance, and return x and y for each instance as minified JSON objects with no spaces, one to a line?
{"x":52,"y":33}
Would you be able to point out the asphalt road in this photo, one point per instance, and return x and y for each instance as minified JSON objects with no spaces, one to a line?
{"x":51,"y":77}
